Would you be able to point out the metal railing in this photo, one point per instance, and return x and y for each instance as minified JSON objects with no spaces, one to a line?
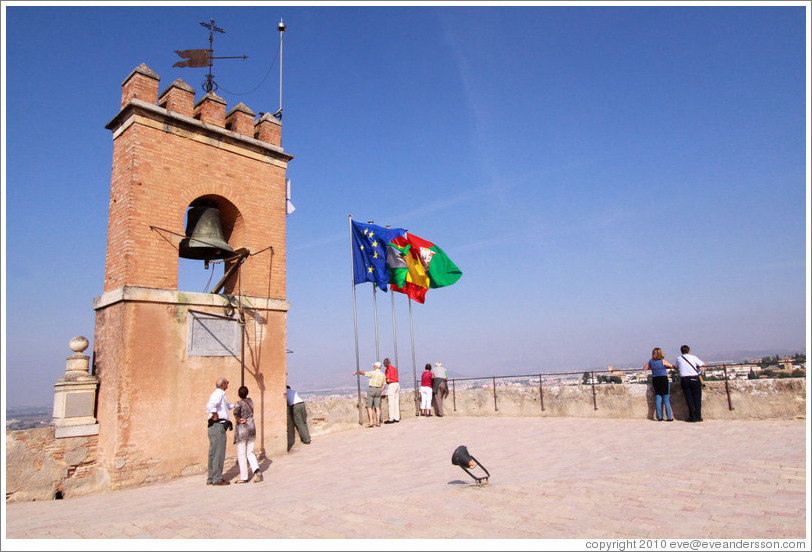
{"x":581,"y":376}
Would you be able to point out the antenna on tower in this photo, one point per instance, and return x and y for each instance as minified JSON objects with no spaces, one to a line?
{"x":281,"y":28}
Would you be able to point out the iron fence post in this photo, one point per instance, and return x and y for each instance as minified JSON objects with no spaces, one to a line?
{"x":594,"y":396}
{"x":495,"y":408}
{"x":454,"y":395}
{"x":727,"y":389}
{"x":541,"y":394}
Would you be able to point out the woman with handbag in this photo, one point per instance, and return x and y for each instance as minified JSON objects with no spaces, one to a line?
{"x":659,"y":380}
{"x":245,"y":435}
{"x":691,"y":381}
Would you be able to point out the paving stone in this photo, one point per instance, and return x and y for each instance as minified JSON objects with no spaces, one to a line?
{"x":551,"y":478}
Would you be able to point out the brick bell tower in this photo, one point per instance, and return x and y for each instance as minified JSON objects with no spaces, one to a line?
{"x":158,"y":351}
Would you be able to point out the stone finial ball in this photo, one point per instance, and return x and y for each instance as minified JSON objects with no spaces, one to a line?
{"x":78,"y":344}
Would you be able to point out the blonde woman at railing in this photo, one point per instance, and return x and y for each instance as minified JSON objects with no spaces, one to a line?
{"x":659,"y":380}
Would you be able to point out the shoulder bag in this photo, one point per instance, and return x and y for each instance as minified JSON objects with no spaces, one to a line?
{"x":701,"y":379}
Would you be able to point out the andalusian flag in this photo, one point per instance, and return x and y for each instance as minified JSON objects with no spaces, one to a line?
{"x":396,"y":261}
{"x":416,"y":265}
{"x":369,"y":253}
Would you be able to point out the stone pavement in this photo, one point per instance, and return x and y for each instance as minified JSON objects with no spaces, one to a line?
{"x":551,"y":478}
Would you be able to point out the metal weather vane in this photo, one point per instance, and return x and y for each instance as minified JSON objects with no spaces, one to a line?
{"x":203,"y":57}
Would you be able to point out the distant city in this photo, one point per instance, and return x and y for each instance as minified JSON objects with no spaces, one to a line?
{"x":792,"y":365}
{"x":28,"y":417}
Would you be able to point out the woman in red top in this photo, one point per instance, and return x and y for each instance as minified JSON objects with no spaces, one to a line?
{"x":425,"y":391}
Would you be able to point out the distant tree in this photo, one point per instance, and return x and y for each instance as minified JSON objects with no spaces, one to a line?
{"x":798,"y":373}
{"x":615,"y":379}
{"x":752,"y":375}
{"x":585,"y":379}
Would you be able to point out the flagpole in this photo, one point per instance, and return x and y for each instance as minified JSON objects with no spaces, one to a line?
{"x":414,"y":365}
{"x":394,"y":324}
{"x":355,"y":319}
{"x":375,"y":307}
{"x":394,"y":328}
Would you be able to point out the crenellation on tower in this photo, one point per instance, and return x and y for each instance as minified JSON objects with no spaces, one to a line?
{"x":268,"y":129}
{"x":211,"y":109}
{"x":142,"y":84}
{"x":241,"y":120}
{"x":178,"y":97}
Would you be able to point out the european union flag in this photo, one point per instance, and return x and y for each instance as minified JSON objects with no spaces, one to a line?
{"x":369,"y":253}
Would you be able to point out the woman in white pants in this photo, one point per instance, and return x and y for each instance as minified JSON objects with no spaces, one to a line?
{"x":425,"y":391}
{"x":245,"y":434}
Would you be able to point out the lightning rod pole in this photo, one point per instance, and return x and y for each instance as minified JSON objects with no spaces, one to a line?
{"x":281,"y":27}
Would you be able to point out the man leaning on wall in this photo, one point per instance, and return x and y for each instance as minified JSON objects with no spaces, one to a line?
{"x":440,"y":387}
{"x":217,"y":409}
{"x":298,"y":412}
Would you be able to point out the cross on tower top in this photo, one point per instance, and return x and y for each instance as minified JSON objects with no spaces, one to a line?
{"x":209,"y":84}
{"x":212,"y":28}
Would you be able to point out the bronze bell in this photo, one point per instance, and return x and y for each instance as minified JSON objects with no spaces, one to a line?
{"x":204,"y":236}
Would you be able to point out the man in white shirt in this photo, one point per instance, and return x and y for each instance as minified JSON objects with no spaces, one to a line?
{"x":217,"y":409}
{"x":689,"y":366}
{"x":298,"y":411}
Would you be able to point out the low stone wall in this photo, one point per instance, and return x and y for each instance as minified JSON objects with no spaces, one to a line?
{"x":341,"y":413}
{"x":40,"y":467}
{"x":750,"y":399}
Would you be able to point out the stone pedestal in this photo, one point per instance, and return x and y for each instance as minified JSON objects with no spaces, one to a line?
{"x":75,"y":395}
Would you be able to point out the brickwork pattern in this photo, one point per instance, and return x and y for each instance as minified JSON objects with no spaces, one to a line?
{"x":160,"y":167}
{"x":211,"y":109}
{"x":38,"y":465}
{"x":142,"y":84}
{"x":268,"y":129}
{"x":241,"y":120}
{"x":179,"y":97}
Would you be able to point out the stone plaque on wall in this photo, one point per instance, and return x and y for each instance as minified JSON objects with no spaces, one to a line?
{"x":212,"y":336}
{"x":78,"y":405}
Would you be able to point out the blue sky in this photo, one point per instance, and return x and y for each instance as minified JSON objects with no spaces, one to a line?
{"x":609,"y":179}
